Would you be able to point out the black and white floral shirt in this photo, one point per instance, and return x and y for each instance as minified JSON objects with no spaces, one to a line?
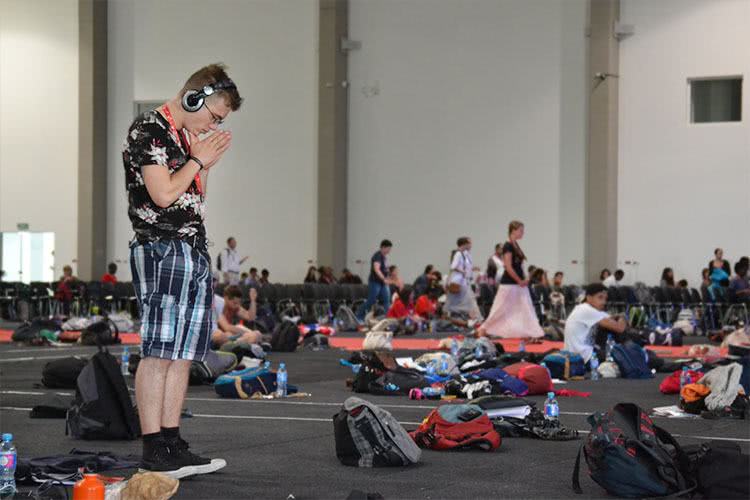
{"x":150,"y":142}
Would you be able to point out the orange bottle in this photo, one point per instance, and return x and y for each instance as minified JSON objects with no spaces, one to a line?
{"x":89,"y":488}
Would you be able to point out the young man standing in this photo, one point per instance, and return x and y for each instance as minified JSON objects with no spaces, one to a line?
{"x":230,"y":262}
{"x":166,"y":174}
{"x":378,"y":284}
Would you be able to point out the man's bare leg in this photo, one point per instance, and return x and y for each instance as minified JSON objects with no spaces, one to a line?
{"x":150,"y":381}
{"x":174,"y":396}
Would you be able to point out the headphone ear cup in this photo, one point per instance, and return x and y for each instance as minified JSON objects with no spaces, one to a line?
{"x":192,"y":101}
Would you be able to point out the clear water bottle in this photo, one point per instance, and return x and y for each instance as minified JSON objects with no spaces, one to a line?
{"x":522,"y":347}
{"x":608,"y":347}
{"x":594,"y":363}
{"x":430,"y":369}
{"x":7,"y":466}
{"x":551,"y":408}
{"x":281,"y":379}
{"x":391,"y":387}
{"x":454,"y":349}
{"x":125,"y":362}
{"x":444,"y":366}
{"x":478,"y":352}
{"x":684,"y":377}
{"x":267,"y":366}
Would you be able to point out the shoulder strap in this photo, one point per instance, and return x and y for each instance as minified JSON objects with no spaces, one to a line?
{"x":577,"y":472}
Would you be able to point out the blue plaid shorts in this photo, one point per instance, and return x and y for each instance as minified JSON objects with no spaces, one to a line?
{"x":173,"y":285}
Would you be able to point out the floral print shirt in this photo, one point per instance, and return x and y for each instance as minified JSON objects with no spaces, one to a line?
{"x":150,"y":142}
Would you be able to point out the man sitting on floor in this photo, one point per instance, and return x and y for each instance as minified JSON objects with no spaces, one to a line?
{"x":589,"y":324}
{"x":228,"y":312}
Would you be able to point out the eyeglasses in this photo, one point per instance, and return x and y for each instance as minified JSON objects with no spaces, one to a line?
{"x":218,"y":120}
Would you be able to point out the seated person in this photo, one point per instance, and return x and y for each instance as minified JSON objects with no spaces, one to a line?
{"x":110,"y":277}
{"x":589,"y":325}
{"x":228,"y":312}
{"x":557,"y":281}
{"x":427,"y":304}
{"x":402,"y":306}
{"x":739,"y":284}
{"x":349,"y":278}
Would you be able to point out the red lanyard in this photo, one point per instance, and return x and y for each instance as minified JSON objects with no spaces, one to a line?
{"x":181,"y":139}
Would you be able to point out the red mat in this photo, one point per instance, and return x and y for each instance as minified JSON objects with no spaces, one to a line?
{"x":126,"y":338}
{"x":355,"y":344}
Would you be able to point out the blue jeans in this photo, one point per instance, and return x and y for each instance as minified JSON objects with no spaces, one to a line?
{"x":375,"y":291}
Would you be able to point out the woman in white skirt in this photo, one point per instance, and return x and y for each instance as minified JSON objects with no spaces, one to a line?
{"x":460,"y":297}
{"x":512,"y":314}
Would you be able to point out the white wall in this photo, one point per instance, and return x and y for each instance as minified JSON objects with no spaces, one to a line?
{"x":264,"y":192}
{"x":39,"y":120}
{"x":479,"y":119}
{"x":684,"y":188}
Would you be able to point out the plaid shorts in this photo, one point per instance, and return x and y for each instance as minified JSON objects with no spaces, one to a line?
{"x":174,"y":288}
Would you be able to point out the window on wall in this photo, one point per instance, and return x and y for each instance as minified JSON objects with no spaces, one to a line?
{"x":715,"y":99}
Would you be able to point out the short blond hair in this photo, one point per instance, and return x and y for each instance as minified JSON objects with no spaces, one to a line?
{"x":213,"y":73}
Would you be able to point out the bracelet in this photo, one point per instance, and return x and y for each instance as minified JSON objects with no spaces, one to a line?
{"x":196,"y":160}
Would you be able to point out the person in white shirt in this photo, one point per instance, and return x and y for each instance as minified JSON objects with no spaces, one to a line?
{"x":614,"y":279}
{"x":462,"y":301}
{"x":497,"y":259}
{"x":581,"y":333}
{"x":229,"y":262}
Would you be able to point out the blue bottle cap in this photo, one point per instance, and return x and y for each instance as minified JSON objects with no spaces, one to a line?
{"x":282,"y":365}
{"x":7,"y":437}
{"x":550,"y":394}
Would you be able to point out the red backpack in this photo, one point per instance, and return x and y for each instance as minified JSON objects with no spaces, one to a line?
{"x":457,"y":426}
{"x":535,"y":376}
{"x":671,"y":384}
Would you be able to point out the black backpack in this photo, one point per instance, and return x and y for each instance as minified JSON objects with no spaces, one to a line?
{"x":721,"y":469}
{"x":285,"y":337}
{"x":63,"y":373}
{"x":104,"y":332}
{"x":102,"y":408}
{"x":628,"y":456}
{"x":404,"y":380}
{"x":30,"y":331}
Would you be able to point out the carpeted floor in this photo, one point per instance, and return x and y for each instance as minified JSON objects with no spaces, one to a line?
{"x":279,"y":448}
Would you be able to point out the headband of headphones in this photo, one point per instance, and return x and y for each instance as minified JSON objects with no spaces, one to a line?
{"x":193,"y":100}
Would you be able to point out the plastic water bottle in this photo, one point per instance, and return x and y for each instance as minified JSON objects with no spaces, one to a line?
{"x":551,"y":408}
{"x":444,"y":364}
{"x":430,"y":369}
{"x":454,"y":349}
{"x":478,"y":352}
{"x":608,"y":347}
{"x":7,"y":466}
{"x":281,"y":379}
{"x":522,"y":347}
{"x":125,"y":362}
{"x":354,"y":366}
{"x":684,"y":377}
{"x":267,"y":366}
{"x":391,"y":387}
{"x":594,"y":363}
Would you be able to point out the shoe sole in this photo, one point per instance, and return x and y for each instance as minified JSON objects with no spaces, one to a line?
{"x":192,"y":470}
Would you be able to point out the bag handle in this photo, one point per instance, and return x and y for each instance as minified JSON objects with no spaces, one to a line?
{"x":577,"y":472}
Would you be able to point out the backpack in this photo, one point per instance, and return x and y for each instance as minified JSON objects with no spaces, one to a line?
{"x":536,"y":377}
{"x":671,"y":384}
{"x":63,"y":373}
{"x":632,"y":360}
{"x":565,"y":365}
{"x":242,"y":384}
{"x":404,"y":380}
{"x":721,"y":469}
{"x":208,"y":370}
{"x":368,"y":436}
{"x":285,"y":337}
{"x":30,"y":331}
{"x":102,"y":408}
{"x":643,"y":293}
{"x":457,"y":427}
{"x":627,"y":455}
{"x":103,"y":332}
{"x":502,"y":382}
{"x":372,"y":366}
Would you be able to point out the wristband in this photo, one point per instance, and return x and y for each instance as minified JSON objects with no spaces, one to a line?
{"x":196,"y":160}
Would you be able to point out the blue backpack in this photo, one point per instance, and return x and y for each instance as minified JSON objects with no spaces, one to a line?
{"x":632,"y":360}
{"x":556,"y":362}
{"x":242,"y":384}
{"x":629,"y":456}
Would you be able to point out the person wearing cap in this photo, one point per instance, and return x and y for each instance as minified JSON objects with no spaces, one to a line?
{"x":589,"y":324}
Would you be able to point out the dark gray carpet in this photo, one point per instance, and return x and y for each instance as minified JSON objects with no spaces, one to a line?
{"x":277,"y":449}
